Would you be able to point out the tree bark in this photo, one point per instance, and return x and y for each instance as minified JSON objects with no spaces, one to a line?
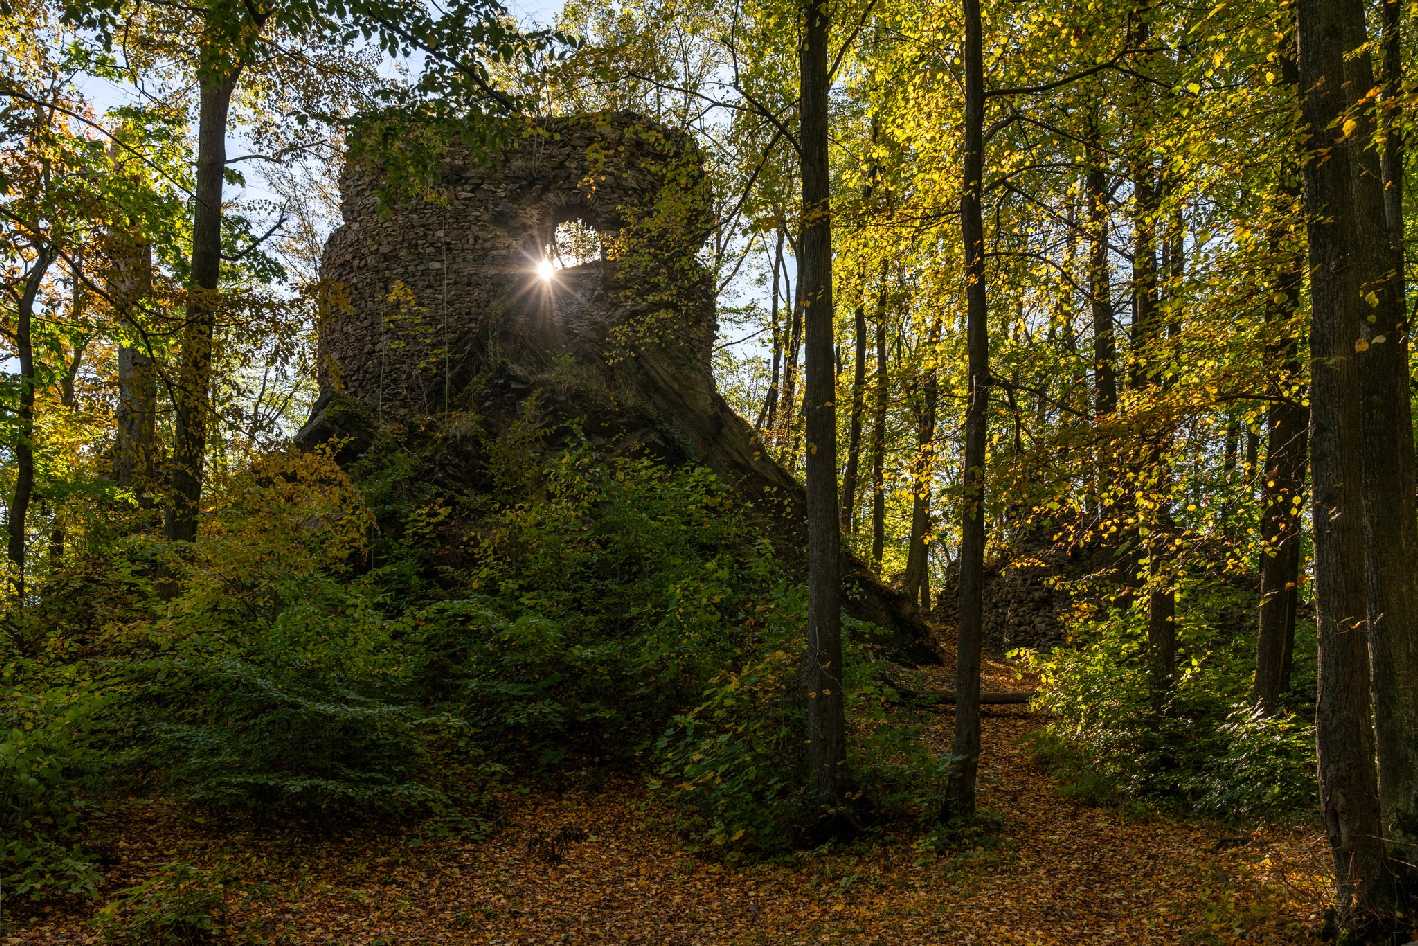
{"x":1286,"y":447}
{"x":135,"y":449}
{"x":1100,"y":290}
{"x":768,"y":415}
{"x":1391,"y":515}
{"x":1149,"y":333}
{"x":1344,"y":737}
{"x":960,"y":787}
{"x":788,"y":402}
{"x":854,"y":423}
{"x":878,"y":453}
{"x":24,"y":417}
{"x":823,"y":660}
{"x":917,"y":582}
{"x":192,"y":395}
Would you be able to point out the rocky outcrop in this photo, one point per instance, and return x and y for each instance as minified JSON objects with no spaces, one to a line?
{"x":434,"y":303}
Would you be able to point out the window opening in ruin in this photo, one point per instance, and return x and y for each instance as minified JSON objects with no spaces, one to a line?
{"x":574,"y":243}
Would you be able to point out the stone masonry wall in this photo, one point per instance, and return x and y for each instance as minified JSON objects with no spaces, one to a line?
{"x":418,"y":294}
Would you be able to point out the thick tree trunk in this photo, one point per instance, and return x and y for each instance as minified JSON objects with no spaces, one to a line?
{"x":854,"y":423}
{"x":1391,"y":515}
{"x":878,"y":434}
{"x":960,"y":789}
{"x":822,"y":664}
{"x":192,"y":395}
{"x":24,"y":417}
{"x":1345,"y":739}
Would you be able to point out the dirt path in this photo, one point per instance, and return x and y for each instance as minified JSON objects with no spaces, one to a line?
{"x":1060,"y":874}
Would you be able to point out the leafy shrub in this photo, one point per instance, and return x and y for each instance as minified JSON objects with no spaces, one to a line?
{"x":241,"y":739}
{"x":178,"y":906}
{"x":597,"y":612}
{"x":899,"y":775}
{"x":1263,"y":766}
{"x":273,"y":683}
{"x":731,"y":768}
{"x":44,"y":763}
{"x":1209,"y":751}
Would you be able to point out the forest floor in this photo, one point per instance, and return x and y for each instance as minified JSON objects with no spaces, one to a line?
{"x":1057,"y":873}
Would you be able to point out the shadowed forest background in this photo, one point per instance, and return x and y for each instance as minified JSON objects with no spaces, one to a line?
{"x":765,"y":472}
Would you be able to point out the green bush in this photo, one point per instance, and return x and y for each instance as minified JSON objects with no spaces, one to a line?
{"x":178,"y":906}
{"x":1208,"y":751}
{"x":1264,"y":765}
{"x":731,"y":768}
{"x":45,"y":763}
{"x":589,"y":618}
{"x":274,"y":682}
{"x":732,"y":771}
{"x":233,"y":737}
{"x":360,"y":646}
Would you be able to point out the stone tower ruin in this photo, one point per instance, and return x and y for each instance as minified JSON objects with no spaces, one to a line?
{"x":434,"y":304}
{"x":423,"y":292}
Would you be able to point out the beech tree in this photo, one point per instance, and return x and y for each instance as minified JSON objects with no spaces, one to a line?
{"x":822,"y":662}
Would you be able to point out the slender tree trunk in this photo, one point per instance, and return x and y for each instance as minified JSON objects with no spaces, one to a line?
{"x":24,"y":417}
{"x":1231,"y":448}
{"x":1391,"y":515}
{"x":854,"y":424}
{"x":1149,"y":334}
{"x":1100,"y":290}
{"x":768,"y":416}
{"x":193,"y":390}
{"x":878,"y":452}
{"x":1391,"y":131}
{"x":822,"y":666}
{"x":1345,"y":739}
{"x":788,"y":402}
{"x":916,"y":582}
{"x":960,"y":788}
{"x":1286,"y":448}
{"x":135,"y":450}
{"x":1287,"y":440}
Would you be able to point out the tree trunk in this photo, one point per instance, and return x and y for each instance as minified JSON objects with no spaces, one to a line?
{"x":24,"y":417}
{"x":854,"y":424}
{"x":768,"y":415}
{"x":917,"y":581}
{"x":960,"y":787}
{"x":788,"y":403}
{"x":1100,"y":290}
{"x":1149,"y":333}
{"x":1344,"y":737}
{"x":193,"y":390}
{"x":135,"y":450}
{"x":878,"y":452}
{"x":1286,"y":448}
{"x":823,"y":661}
{"x":1391,"y":516}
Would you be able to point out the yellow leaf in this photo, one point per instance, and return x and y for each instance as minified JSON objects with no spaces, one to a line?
{"x":1349,"y":125}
